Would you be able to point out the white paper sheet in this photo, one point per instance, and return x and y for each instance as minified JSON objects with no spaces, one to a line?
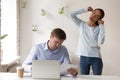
{"x":64,"y":67}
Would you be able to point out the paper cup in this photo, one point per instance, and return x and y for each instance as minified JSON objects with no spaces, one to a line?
{"x":20,"y":71}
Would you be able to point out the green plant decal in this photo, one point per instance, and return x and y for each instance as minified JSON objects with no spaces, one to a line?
{"x":34,"y":28}
{"x":23,"y":4}
{"x":61,"y":11}
{"x":43,"y":12}
{"x":3,"y":36}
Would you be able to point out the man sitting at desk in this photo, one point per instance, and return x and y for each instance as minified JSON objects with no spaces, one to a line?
{"x":50,"y":50}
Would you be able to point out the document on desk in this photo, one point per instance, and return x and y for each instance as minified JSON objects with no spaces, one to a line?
{"x":64,"y":67}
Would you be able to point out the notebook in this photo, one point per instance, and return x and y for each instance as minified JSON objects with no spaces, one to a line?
{"x":46,"y":69}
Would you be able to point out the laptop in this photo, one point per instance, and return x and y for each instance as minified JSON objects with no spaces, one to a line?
{"x":46,"y":69}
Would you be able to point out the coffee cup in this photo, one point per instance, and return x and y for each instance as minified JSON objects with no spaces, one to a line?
{"x":20,"y":72}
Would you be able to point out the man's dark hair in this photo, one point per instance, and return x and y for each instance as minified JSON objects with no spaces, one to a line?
{"x":59,"y":33}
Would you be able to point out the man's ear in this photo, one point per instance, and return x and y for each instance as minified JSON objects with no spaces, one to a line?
{"x":51,"y":36}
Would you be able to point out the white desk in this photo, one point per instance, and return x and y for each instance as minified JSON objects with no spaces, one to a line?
{"x":13,"y":76}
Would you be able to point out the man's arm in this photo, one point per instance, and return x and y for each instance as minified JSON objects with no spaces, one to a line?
{"x":66,"y":58}
{"x":27,"y":64}
{"x":67,"y":61}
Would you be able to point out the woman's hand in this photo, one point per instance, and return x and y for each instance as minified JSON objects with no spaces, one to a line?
{"x":90,"y":9}
{"x":73,"y":72}
{"x":101,"y":22}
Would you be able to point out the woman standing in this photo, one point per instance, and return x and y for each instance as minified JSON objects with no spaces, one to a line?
{"x":91,"y":35}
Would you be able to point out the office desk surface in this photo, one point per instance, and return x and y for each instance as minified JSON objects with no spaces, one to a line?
{"x":13,"y":76}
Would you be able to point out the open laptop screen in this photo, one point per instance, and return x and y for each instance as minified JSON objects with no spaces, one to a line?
{"x":49,"y":69}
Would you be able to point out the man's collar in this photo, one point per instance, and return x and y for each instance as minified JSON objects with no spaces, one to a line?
{"x":46,"y":45}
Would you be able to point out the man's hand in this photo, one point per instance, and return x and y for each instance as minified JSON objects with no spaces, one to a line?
{"x":73,"y":72}
{"x":101,"y":22}
{"x":90,"y":9}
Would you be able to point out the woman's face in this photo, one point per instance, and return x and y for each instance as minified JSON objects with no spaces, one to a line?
{"x":95,"y":16}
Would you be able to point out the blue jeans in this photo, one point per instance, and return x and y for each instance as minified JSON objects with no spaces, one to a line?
{"x":94,"y":62}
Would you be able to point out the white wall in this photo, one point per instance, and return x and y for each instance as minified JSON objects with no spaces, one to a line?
{"x":31,"y":15}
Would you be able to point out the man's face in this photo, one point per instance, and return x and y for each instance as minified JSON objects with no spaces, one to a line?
{"x":54,"y":43}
